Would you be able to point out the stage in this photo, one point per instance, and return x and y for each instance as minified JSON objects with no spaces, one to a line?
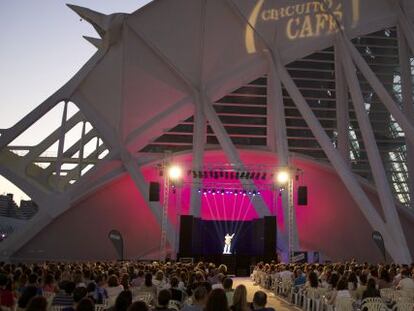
{"x":249,"y":242}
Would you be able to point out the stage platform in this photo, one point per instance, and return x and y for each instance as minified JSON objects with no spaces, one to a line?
{"x":238,"y":265}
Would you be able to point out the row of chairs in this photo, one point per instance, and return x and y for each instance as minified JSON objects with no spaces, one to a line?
{"x":314,"y":299}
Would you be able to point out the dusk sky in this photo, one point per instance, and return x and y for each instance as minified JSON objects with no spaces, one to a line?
{"x":41,"y":49}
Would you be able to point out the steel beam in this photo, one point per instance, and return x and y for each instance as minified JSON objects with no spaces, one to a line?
{"x":337,"y":161}
{"x":377,"y":168}
{"x":407,"y":102}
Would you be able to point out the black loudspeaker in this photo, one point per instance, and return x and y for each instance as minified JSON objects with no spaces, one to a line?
{"x":302,"y":195}
{"x":154,"y":192}
{"x":269,"y":234}
{"x":186,"y":235}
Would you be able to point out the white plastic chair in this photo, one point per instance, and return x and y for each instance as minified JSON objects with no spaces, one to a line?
{"x":404,"y":306}
{"x":344,"y":304}
{"x":100,"y":307}
{"x":58,"y":308}
{"x":374,"y":306}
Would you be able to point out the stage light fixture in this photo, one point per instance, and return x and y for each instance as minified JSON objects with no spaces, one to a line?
{"x":204,"y":191}
{"x":254,"y":193}
{"x":237,"y":175}
{"x":209,"y":190}
{"x":282,"y":177}
{"x":199,"y":190}
{"x":222,"y":192}
{"x":244,"y":193}
{"x":258,"y":192}
{"x":175,"y":172}
{"x":250,"y":192}
{"x":264,"y":176}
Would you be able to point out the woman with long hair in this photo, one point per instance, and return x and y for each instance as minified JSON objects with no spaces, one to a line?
{"x":239,"y":302}
{"x":371,"y":290}
{"x":217,"y":301}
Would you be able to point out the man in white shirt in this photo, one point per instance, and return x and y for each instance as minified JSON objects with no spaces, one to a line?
{"x":406,"y":283}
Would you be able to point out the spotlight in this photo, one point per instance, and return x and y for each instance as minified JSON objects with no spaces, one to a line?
{"x":250,"y":192}
{"x":204,"y":192}
{"x":209,"y":190}
{"x":175,"y":172}
{"x":199,"y":190}
{"x":214,"y":191}
{"x":237,"y":175}
{"x":282,"y":177}
{"x":264,"y":176}
{"x":258,"y":192}
{"x":244,"y":193}
{"x":254,"y":193}
{"x":222,"y":192}
{"x":218,"y":191}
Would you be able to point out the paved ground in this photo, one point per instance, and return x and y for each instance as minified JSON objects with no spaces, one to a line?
{"x":272,"y":300}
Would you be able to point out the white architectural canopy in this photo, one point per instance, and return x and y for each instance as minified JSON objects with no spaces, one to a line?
{"x":329,"y":79}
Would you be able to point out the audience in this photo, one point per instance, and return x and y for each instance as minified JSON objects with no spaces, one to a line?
{"x":228,"y":288}
{"x":239,"y":301}
{"x":201,"y":286}
{"x":260,"y":301}
{"x":138,"y":306}
{"x":85,"y":304}
{"x":217,"y":301}
{"x":371,"y":291}
{"x":407,"y":282}
{"x":164,"y":298}
{"x":37,"y":303}
{"x":199,"y":300}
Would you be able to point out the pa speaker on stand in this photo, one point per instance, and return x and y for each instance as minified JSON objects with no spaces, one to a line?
{"x":302,"y":195}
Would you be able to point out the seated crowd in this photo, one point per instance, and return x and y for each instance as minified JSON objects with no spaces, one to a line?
{"x":122,"y":286}
{"x":358,"y":282}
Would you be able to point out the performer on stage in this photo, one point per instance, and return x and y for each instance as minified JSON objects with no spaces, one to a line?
{"x":227,"y":243}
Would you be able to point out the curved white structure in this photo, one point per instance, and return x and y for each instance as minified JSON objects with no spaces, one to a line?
{"x":265,"y":75}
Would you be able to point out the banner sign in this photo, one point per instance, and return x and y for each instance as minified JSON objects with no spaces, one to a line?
{"x":299,"y":257}
{"x":377,"y":237}
{"x":116,"y":238}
